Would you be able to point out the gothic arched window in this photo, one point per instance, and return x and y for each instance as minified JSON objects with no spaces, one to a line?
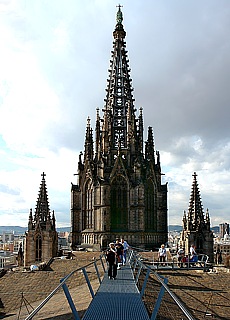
{"x":38,"y":251}
{"x":119,"y":204}
{"x":150,"y":206}
{"x":88,"y":214}
{"x":199,"y":244}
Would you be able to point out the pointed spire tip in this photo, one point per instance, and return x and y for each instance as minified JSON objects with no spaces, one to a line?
{"x":119,"y":15}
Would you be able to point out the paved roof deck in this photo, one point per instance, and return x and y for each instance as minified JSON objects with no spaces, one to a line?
{"x":117,"y":299}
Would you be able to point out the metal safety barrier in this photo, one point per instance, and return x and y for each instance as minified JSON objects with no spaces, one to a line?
{"x":66,"y":290}
{"x":137,"y":266}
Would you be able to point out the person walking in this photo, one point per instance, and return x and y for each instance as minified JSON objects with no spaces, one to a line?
{"x":111,"y":258}
{"x":126,"y":246}
{"x":119,"y":249}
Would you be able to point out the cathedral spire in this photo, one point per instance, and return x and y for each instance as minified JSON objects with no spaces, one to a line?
{"x":119,"y":99}
{"x":42,"y":210}
{"x":119,"y":190}
{"x":196,"y":225}
{"x":195,"y":210}
{"x":41,"y":241}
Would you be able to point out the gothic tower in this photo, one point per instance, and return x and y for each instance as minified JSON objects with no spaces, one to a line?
{"x":41,"y":238}
{"x":119,"y":190}
{"x":196,"y":226}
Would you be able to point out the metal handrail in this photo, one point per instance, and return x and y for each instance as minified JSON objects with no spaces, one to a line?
{"x":140,"y":249}
{"x":62,"y":283}
{"x":135,"y":261}
{"x":162,"y":281}
{"x":174,"y":297}
{"x":200,"y":264}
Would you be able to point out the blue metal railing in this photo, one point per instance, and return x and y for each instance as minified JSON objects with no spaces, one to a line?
{"x":137,"y":265}
{"x":66,"y":290}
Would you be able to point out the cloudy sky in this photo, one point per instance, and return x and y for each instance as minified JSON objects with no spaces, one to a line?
{"x":54,"y":59}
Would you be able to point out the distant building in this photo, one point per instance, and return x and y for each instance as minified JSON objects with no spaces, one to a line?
{"x":196,"y":226}
{"x":222,"y":244}
{"x":119,"y":191}
{"x":224,"y":247}
{"x":63,"y":243}
{"x":223,"y":229}
{"x":63,"y":240}
{"x":41,"y":238}
{"x":19,"y":241}
{"x":7,"y":237}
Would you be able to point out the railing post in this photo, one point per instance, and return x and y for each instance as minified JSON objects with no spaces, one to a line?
{"x":98,"y":274}
{"x":138,"y":274}
{"x":70,"y":301}
{"x":134,"y":265}
{"x":128,"y":253}
{"x":131,"y":256}
{"x":88,"y":282}
{"x":102,"y":263}
{"x":145,"y":282}
{"x":159,"y":299}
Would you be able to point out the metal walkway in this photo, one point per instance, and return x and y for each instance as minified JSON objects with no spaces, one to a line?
{"x":117,"y":299}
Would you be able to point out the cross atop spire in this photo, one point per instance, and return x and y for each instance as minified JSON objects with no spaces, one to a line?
{"x":119,"y":32}
{"x":43,"y":175}
{"x":119,"y":15}
{"x":194,"y":175}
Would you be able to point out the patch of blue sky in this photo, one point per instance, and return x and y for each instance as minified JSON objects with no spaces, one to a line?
{"x":6,"y":189}
{"x":2,"y":143}
{"x":32,"y":156}
{"x":8,"y":157}
{"x":4,"y":147}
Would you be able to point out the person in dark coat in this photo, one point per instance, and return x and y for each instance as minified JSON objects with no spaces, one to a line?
{"x":111,"y":258}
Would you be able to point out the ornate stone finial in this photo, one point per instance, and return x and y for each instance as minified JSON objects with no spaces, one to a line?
{"x":119,"y":15}
{"x":80,"y":155}
{"x":119,"y":32}
{"x":88,"y":122}
{"x":98,"y":115}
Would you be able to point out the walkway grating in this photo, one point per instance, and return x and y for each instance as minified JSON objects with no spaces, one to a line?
{"x":117,"y":299}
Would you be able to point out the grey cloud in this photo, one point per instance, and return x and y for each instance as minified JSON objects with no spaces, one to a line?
{"x":180,"y":66}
